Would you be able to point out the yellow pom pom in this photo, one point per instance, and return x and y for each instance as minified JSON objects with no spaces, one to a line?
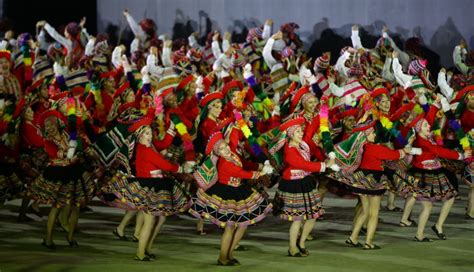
{"x":246,"y":131}
{"x":27,"y":61}
{"x":464,"y":143}
{"x":181,"y":129}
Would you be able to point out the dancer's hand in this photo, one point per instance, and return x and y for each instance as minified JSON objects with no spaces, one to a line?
{"x":83,"y":22}
{"x":278,"y":36}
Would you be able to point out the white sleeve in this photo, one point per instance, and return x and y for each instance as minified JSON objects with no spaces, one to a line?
{"x":217,"y":63}
{"x":336,"y":90}
{"x":117,"y":57}
{"x":402,"y":79}
{"x":216,"y":49}
{"x":225,"y":45}
{"x":340,"y":64}
{"x":89,"y":50}
{"x":457,"y":59}
{"x":58,"y":37}
{"x":136,"y":29}
{"x":135,"y":45}
{"x":267,"y":32}
{"x":153,"y":68}
{"x":356,"y":42}
{"x":166,"y":57}
{"x":42,"y":40}
{"x":192,"y":41}
{"x":267,"y":53}
{"x":386,"y":70}
{"x":85,"y":33}
{"x":404,"y":57}
{"x":446,"y":90}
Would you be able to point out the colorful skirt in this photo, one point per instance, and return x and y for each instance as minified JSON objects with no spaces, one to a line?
{"x":433,"y":185}
{"x":364,"y":182}
{"x":156,"y":196}
{"x":32,"y":163}
{"x":297,"y":200}
{"x":63,"y":185}
{"x":226,"y":205}
{"x":11,"y":186}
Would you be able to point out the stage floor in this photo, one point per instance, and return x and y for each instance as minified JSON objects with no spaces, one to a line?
{"x":178,"y":248}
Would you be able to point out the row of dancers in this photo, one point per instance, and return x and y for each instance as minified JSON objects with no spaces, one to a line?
{"x":206,"y":126}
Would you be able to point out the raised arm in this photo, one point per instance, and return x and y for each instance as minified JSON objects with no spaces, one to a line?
{"x":136,"y":29}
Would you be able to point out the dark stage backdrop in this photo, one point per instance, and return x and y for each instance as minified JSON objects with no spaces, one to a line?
{"x":439,"y":23}
{"x":22,"y":15}
{"x":325,"y":24}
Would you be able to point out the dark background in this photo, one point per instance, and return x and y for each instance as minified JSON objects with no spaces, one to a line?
{"x":22,"y":15}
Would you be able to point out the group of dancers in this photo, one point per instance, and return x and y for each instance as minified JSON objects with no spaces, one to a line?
{"x":205,"y":126}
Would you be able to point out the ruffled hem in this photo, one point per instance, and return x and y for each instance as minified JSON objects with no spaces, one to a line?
{"x":229,"y":212}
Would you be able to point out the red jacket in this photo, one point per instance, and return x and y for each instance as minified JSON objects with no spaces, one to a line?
{"x":375,"y":154}
{"x":31,"y":136}
{"x":467,"y":120}
{"x":431,"y":152}
{"x":147,"y":160}
{"x":190,"y":108}
{"x":298,"y":162}
{"x":232,"y":172}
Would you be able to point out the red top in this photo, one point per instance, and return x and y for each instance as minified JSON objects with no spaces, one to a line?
{"x":431,"y":152}
{"x":57,"y":151}
{"x":167,"y":140}
{"x":190,"y":108}
{"x":467,"y":120}
{"x":298,"y":162}
{"x":375,"y":154}
{"x":31,"y":136}
{"x":100,"y":114}
{"x":149,"y":160}
{"x":232,"y":172}
{"x":208,"y":127}
{"x":310,"y":129}
{"x":52,"y":150}
{"x":227,"y":111}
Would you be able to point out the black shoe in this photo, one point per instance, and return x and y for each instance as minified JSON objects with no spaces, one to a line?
{"x":370,"y":247}
{"x":52,"y":246}
{"x":228,"y":263}
{"x":297,"y":254}
{"x":349,"y":242}
{"x":25,"y":218}
{"x":145,"y":259}
{"x":303,"y":250}
{"x":72,"y":243}
{"x":407,"y":225}
{"x":33,"y":211}
{"x":122,"y":238}
{"x":150,"y":255}
{"x":413,"y":222}
{"x":424,"y":240}
{"x":235,"y":261}
{"x":86,"y":209}
{"x":468,"y":217}
{"x":201,"y":232}
{"x":396,"y":209}
{"x":240,"y":248}
{"x":439,"y":234}
{"x":134,"y":239}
